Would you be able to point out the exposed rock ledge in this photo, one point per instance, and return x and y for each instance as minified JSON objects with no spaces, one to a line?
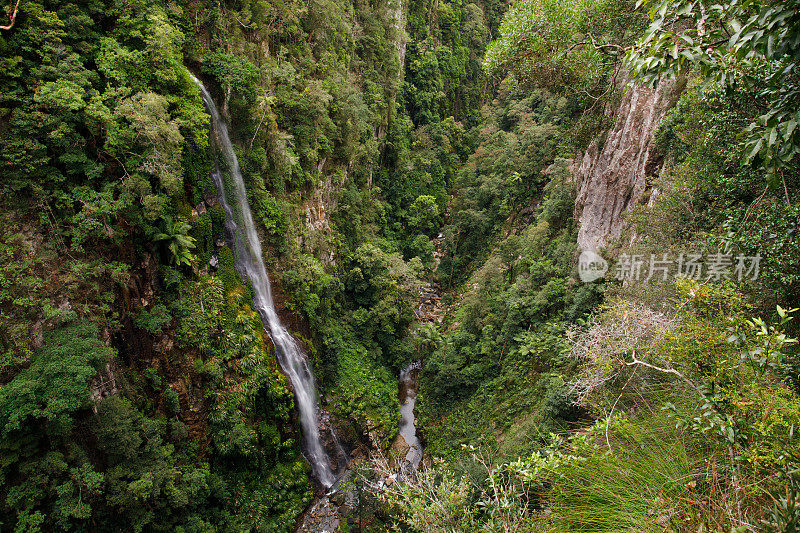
{"x":611,"y":179}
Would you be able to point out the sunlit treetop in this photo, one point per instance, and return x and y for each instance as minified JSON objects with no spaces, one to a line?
{"x":563,"y":46}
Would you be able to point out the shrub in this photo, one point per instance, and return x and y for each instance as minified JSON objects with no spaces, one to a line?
{"x":154,"y":319}
{"x":172,"y":402}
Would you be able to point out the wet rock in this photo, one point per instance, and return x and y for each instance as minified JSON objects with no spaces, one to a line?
{"x":322,"y":517}
{"x":375,"y":433}
{"x":400,"y":446}
{"x":398,"y":453}
{"x":210,"y":199}
{"x":338,"y":498}
{"x":333,"y":434}
{"x":428,"y":307}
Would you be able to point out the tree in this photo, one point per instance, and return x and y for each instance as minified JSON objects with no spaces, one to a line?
{"x":234,"y":73}
{"x":177,"y":240}
{"x":563,"y":46}
{"x":56,"y":385}
{"x":384,"y":286}
{"x":149,"y":485}
{"x":423,"y":215}
{"x":145,"y":128}
{"x":751,"y":42}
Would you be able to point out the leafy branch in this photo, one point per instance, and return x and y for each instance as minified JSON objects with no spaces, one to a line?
{"x":750,"y":43}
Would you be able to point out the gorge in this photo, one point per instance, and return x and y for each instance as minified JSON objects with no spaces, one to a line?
{"x":341,"y":284}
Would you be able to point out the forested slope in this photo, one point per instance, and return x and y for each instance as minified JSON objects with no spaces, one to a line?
{"x":139,"y":389}
{"x":651,"y":396}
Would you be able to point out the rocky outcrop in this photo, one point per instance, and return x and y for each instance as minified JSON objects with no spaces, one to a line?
{"x":398,"y":18}
{"x":103,"y":385}
{"x":317,"y":234}
{"x":612,"y":175}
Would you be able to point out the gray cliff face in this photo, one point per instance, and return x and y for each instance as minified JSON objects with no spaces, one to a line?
{"x":612,"y":178}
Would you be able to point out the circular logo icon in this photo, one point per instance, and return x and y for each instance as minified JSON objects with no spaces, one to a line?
{"x":591,"y":266}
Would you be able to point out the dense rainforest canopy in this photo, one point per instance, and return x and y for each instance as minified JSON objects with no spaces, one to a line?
{"x":426,"y":179}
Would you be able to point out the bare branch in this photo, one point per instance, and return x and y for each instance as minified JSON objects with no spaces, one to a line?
{"x":602,"y":349}
{"x":659,"y":369}
{"x":755,"y":203}
{"x":13,"y":18}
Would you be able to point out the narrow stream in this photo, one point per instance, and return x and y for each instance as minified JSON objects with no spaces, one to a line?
{"x":324,"y":515}
{"x":248,"y":259}
{"x":408,"y":429}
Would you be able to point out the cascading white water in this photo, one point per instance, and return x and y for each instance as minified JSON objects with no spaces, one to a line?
{"x":249,"y":261}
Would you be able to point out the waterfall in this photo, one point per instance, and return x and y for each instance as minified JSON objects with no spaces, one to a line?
{"x":249,"y":262}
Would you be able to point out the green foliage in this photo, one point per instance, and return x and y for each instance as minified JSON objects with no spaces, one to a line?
{"x":143,"y":124}
{"x":500,"y":363}
{"x":20,"y":290}
{"x":420,"y":246}
{"x":504,"y":176}
{"x":255,"y":456}
{"x":423,"y":215}
{"x":315,"y":291}
{"x":175,"y":236}
{"x":366,"y":392}
{"x":734,"y":43}
{"x":563,"y":46}
{"x":105,"y":152}
{"x":438,"y":101}
{"x":146,"y":480}
{"x":706,"y":192}
{"x":273,"y":216}
{"x":422,"y":166}
{"x":433,"y":501}
{"x":233,"y":72}
{"x":785,"y":515}
{"x":172,"y":402}
{"x":632,"y":485}
{"x":383,"y":286}
{"x":724,"y":381}
{"x":56,"y":385}
{"x":766,"y":346}
{"x":443,"y":74}
{"x":201,"y":329}
{"x":153,"y":320}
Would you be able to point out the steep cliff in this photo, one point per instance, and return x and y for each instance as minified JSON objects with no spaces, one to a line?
{"x":613,"y":175}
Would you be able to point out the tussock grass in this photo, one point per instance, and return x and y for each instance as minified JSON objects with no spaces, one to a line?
{"x":653,"y":478}
{"x":636,"y":486}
